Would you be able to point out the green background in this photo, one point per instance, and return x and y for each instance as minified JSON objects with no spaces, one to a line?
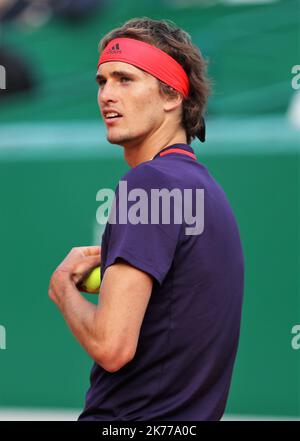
{"x":54,"y":158}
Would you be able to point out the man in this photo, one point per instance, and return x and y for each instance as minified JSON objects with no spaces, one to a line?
{"x":165,"y":332}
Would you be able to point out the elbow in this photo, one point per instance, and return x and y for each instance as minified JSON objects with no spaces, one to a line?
{"x":112,"y":360}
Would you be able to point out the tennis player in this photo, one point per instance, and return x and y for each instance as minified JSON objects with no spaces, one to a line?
{"x":165,"y":332}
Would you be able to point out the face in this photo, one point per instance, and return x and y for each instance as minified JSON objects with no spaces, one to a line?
{"x":130,"y":103}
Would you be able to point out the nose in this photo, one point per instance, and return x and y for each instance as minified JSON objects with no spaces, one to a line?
{"x":107,"y":94}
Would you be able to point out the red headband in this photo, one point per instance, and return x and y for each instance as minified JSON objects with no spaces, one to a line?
{"x":149,"y":58}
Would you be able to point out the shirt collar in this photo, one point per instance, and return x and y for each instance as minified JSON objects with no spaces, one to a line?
{"x":186,"y":147}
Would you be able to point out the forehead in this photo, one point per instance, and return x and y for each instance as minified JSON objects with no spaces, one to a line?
{"x":107,"y":68}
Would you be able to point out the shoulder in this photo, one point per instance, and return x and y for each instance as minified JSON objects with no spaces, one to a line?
{"x":147,"y":175}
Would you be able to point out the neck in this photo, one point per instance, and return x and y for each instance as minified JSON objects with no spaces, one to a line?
{"x":138,"y":151}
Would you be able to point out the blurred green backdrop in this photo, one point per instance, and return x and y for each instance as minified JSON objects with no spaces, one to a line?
{"x":54,"y":157}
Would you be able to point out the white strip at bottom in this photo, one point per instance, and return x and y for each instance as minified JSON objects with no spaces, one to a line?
{"x":28,"y":414}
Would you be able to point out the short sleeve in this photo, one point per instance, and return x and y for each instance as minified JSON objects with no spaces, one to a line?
{"x":147,"y":245}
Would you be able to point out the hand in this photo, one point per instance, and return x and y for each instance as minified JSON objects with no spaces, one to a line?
{"x":73,"y":269}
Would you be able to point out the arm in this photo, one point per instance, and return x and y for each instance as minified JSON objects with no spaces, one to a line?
{"x":124,"y":296}
{"x":109,"y":331}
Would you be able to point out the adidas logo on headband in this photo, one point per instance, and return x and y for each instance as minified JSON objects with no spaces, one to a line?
{"x":115,"y":49}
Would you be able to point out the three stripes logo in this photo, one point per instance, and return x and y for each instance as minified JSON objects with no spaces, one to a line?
{"x":115,"y":49}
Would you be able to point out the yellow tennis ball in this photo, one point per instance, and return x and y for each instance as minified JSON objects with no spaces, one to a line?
{"x":92,"y":282}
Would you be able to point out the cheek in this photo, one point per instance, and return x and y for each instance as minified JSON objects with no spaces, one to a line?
{"x":142,"y":106}
{"x":148,"y":106}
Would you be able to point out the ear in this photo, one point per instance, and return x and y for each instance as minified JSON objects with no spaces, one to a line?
{"x":172,"y":102}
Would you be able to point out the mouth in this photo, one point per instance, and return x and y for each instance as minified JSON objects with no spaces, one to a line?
{"x":111,"y":117}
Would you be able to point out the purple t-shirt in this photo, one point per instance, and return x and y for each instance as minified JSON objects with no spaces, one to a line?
{"x":189,"y":336}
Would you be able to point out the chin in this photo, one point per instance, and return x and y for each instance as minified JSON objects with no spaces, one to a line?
{"x":119,"y":139}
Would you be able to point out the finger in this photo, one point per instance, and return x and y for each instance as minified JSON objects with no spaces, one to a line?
{"x":75,"y":258}
{"x":82,"y":289}
{"x":84,"y":267}
{"x":87,"y":264}
{"x":90,"y":250}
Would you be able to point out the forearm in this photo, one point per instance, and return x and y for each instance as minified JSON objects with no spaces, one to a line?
{"x":80,"y":315}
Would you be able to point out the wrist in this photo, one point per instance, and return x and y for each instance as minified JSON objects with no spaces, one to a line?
{"x":61,"y":287}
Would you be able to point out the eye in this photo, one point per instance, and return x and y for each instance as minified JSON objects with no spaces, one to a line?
{"x":101,"y":82}
{"x":125,"y":79}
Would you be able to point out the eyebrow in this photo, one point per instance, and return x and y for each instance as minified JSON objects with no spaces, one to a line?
{"x":115,"y":74}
